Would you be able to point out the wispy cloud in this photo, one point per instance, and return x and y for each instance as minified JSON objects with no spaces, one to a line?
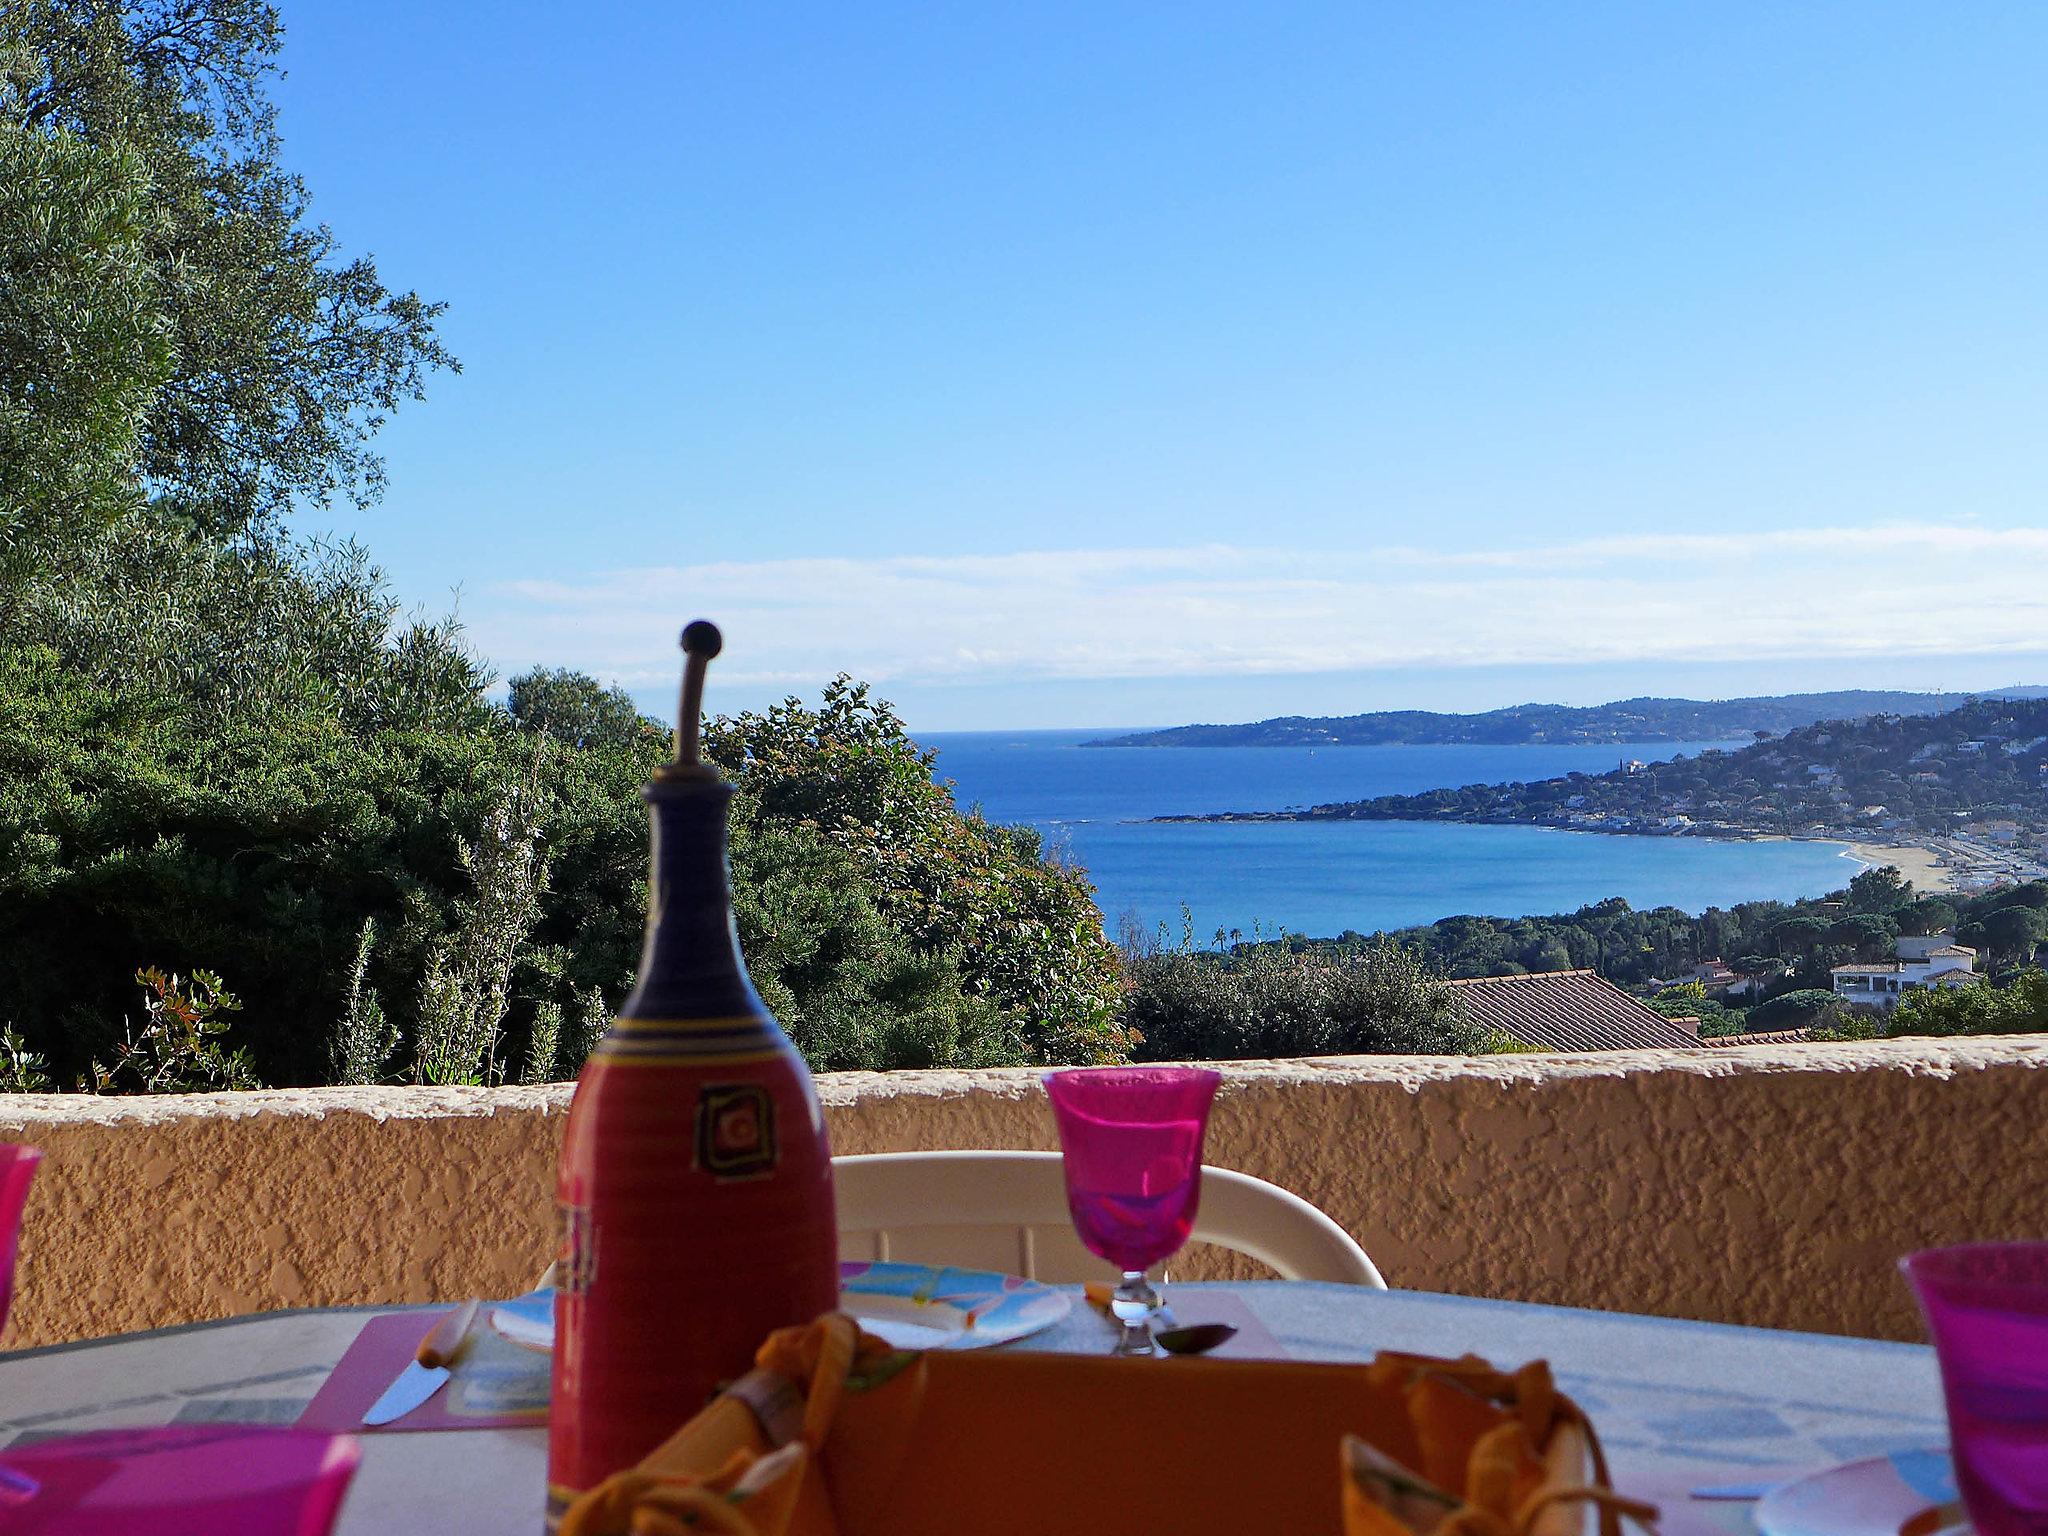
{"x":1214,"y":609}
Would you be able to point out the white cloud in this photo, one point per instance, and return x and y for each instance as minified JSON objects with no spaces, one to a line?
{"x":1214,"y":609}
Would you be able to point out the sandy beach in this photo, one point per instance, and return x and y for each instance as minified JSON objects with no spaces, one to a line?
{"x":1919,"y":863}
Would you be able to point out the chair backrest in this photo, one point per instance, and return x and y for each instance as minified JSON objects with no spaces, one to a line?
{"x":1008,"y":1211}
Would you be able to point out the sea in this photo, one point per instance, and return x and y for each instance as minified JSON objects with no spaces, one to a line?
{"x":1093,"y":807}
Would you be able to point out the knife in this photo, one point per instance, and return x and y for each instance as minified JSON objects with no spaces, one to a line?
{"x":429,"y":1370}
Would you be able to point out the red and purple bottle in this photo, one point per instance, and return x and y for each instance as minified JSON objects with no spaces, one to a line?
{"x":695,"y":1187}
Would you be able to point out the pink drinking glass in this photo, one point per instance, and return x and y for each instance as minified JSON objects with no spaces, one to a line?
{"x":1987,"y":1309}
{"x":186,"y":1480}
{"x":17,"y":1167}
{"x":1131,"y":1144}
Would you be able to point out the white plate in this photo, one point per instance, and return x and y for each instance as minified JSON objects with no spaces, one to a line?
{"x":1882,"y":1496}
{"x":913,"y":1306}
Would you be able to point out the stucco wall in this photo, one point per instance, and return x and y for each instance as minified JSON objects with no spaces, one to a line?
{"x":1772,"y":1185}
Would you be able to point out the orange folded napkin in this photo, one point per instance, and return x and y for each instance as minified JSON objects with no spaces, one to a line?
{"x":1485,"y":1462}
{"x":836,"y":1434}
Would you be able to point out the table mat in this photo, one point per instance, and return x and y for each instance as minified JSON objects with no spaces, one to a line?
{"x":497,"y":1385}
{"x":1253,"y":1340}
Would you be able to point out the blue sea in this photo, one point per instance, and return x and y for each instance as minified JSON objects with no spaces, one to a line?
{"x":1092,"y":806}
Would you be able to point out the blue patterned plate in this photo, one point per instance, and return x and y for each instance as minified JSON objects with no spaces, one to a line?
{"x":1908,"y":1493}
{"x":913,"y":1306}
{"x":924,"y":1306}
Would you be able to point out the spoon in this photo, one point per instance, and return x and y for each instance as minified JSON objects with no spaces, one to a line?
{"x":1197,"y":1339}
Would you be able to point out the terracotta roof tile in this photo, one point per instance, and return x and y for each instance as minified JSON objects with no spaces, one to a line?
{"x":1760,"y":1037}
{"x":1570,"y":1011}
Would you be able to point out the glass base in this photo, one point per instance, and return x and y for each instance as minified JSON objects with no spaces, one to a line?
{"x":1134,"y":1304}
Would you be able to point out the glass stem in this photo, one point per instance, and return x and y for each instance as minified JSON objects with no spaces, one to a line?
{"x":1133,"y":1305}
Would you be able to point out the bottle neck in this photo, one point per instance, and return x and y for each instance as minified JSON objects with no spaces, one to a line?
{"x":690,"y":965}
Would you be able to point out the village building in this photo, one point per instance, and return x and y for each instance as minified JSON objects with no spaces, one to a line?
{"x":1924,"y":960}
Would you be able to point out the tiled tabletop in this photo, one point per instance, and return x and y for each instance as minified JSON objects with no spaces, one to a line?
{"x":1678,"y":1405}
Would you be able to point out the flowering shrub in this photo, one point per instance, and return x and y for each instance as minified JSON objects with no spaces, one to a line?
{"x":179,"y":1047}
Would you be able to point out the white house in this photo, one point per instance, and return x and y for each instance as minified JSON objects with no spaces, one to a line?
{"x":1918,"y":946}
{"x":1924,"y":960}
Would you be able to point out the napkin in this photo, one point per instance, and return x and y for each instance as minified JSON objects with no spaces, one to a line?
{"x":1001,"y":1443}
{"x":1478,"y":1466}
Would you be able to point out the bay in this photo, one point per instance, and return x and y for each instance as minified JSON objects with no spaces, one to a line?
{"x":1092,"y":806}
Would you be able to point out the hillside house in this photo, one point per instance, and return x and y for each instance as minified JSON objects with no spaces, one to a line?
{"x":1924,"y":960}
{"x":1717,"y":978}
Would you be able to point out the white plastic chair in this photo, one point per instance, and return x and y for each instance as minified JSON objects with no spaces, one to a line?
{"x":1008,"y":1211}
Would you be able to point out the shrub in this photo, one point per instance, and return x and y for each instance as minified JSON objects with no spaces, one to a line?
{"x":2019,"y":1008}
{"x":179,"y":1047}
{"x":1805,"y":1009}
{"x":1264,"y":1000}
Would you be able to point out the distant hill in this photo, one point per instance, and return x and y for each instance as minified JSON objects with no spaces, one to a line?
{"x":1625,"y":720}
{"x":1887,"y":775}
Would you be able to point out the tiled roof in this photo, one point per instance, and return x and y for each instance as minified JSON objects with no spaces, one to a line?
{"x":1759,"y":1037}
{"x":1952,"y":949}
{"x":1569,"y":1011}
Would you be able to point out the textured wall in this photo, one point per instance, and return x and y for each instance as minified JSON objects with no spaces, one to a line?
{"x":1768,"y":1184}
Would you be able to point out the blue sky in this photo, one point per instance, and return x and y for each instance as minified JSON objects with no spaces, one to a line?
{"x":1125,"y":365}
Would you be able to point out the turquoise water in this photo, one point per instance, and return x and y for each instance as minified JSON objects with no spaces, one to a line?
{"x":1324,"y":878}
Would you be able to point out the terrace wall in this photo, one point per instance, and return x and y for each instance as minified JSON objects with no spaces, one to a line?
{"x":1772,"y":1185}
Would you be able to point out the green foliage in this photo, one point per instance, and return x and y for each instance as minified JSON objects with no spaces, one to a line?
{"x":843,"y":793}
{"x":467,"y":990}
{"x":543,"y":1044}
{"x":2018,"y":1008}
{"x":365,"y":1038}
{"x":253,"y":629}
{"x":1631,"y":947}
{"x":1882,"y":892}
{"x":1807,"y":1008}
{"x":223,"y":745}
{"x":504,"y":874}
{"x":285,"y":357}
{"x":574,"y":708}
{"x":2011,"y":932}
{"x":1847,"y":1025}
{"x":21,"y":1069}
{"x":84,"y":344}
{"x":179,"y":1048}
{"x":1930,"y":914}
{"x":1260,"y":1000}
{"x":1690,"y":1001}
{"x":591,"y":1020}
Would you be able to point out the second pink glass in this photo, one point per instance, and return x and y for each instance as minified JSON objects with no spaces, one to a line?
{"x":17,"y":1168}
{"x":1987,"y":1310}
{"x":1131,"y":1144}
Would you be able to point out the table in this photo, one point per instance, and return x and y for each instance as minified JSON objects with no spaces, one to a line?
{"x":1677,"y":1404}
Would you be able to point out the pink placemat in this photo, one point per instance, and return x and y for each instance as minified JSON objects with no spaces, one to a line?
{"x":497,"y":1385}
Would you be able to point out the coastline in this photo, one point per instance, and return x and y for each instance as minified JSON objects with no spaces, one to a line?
{"x":1924,"y":866}
{"x":1933,"y":869}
